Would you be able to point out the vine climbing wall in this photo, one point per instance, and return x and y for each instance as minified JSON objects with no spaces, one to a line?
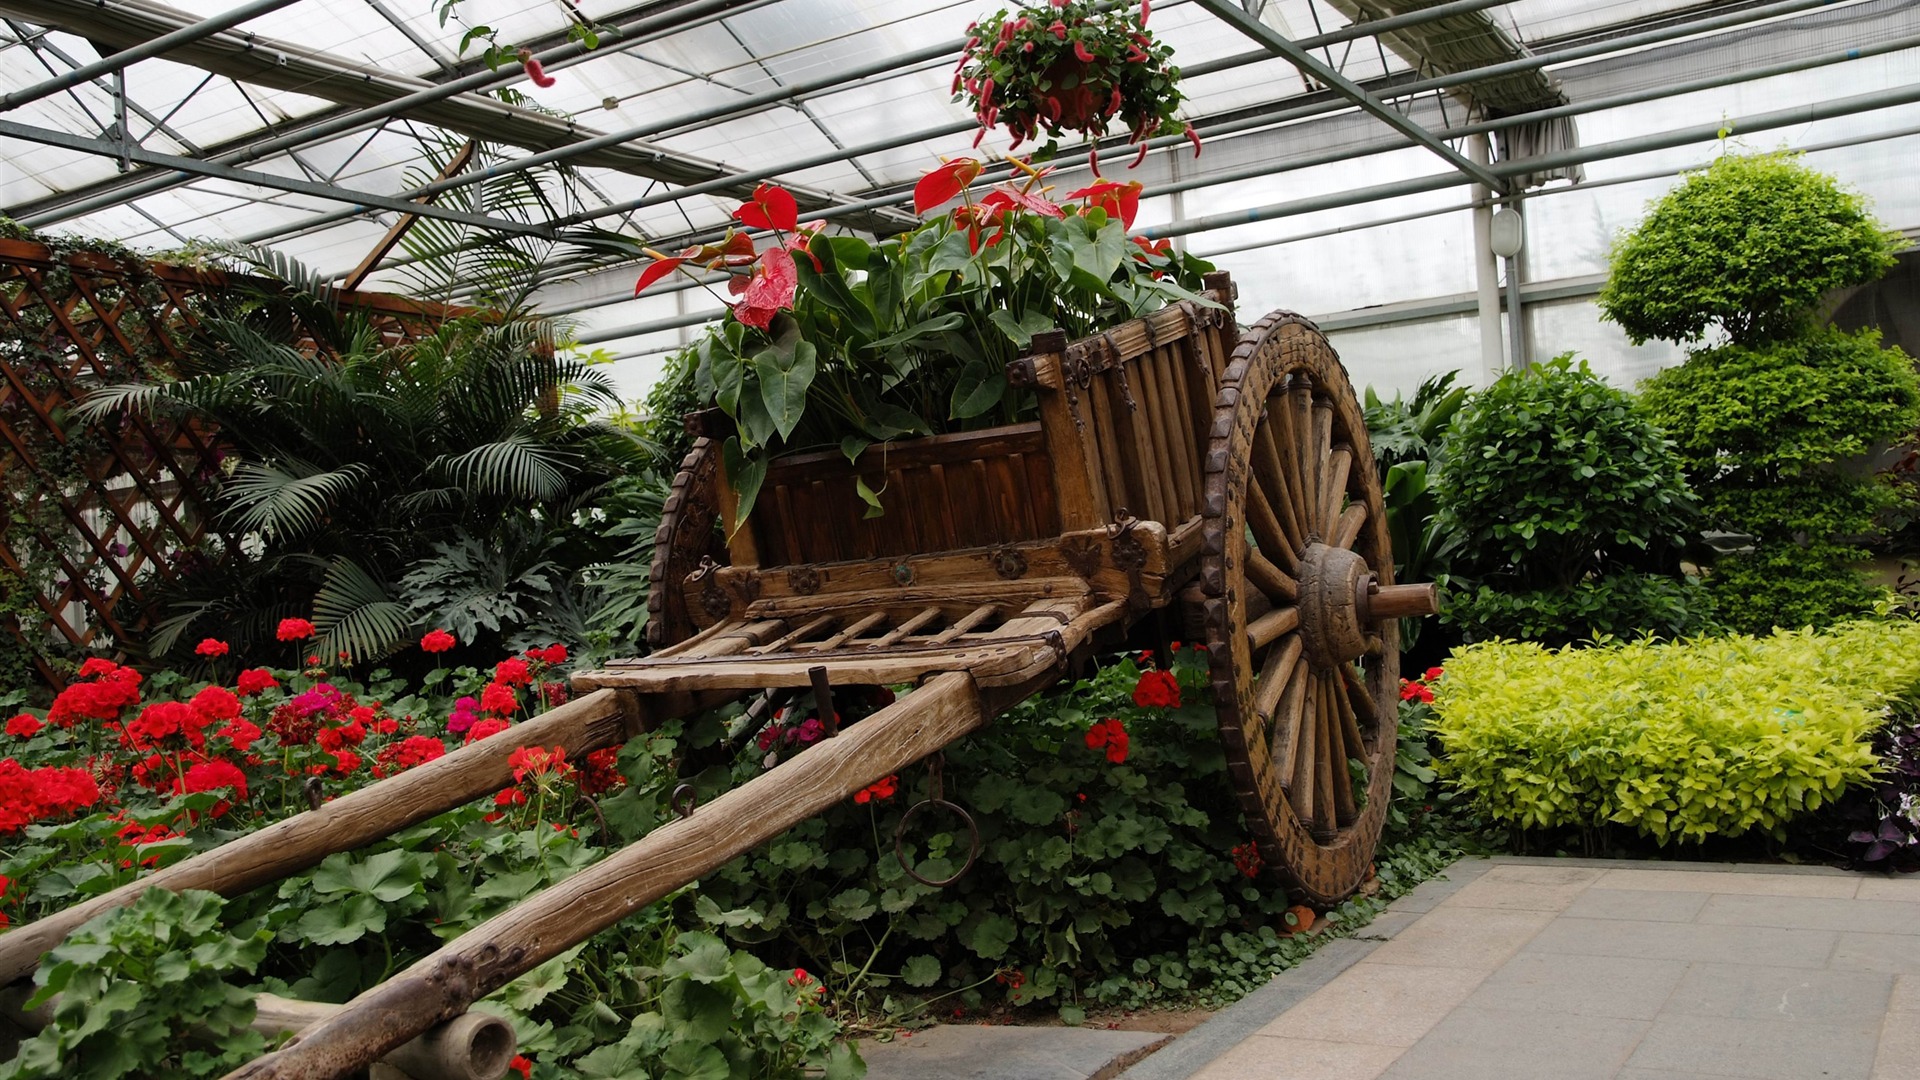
{"x":100,"y":513}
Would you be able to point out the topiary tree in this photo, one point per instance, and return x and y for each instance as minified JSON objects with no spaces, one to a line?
{"x":1764,"y":434}
{"x":1768,"y":421}
{"x":1572,"y":510}
{"x":1748,"y":245}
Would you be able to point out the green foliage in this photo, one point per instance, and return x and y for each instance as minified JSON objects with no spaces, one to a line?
{"x":1747,"y":245}
{"x":1406,"y":439}
{"x":349,"y":467}
{"x":1766,"y":435}
{"x":1786,"y":408}
{"x":912,"y":335}
{"x":145,"y":991}
{"x":1567,"y":500}
{"x":1678,"y":741}
{"x":1623,"y":604}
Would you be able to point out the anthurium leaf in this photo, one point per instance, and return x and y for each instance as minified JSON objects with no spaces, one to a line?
{"x":978,"y":389}
{"x":785,"y":377}
{"x":950,"y":321}
{"x":853,"y":446}
{"x":728,"y":375}
{"x":870,"y":497}
{"x":746,"y":473}
{"x":1019,"y":330}
{"x":884,"y":421}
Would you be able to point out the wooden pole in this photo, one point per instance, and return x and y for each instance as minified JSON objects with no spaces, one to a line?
{"x":587,"y":723}
{"x":501,"y":949}
{"x":400,"y":228}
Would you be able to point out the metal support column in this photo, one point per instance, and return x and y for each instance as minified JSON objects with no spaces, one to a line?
{"x":1486,"y":272}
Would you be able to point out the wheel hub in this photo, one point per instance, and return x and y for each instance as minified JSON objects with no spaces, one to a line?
{"x":1334,"y":620}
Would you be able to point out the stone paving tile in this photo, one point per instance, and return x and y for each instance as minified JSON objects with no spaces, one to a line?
{"x":1713,"y":881}
{"x":1753,"y":992}
{"x":1667,"y":1074}
{"x":1899,"y":1051}
{"x":1813,"y":913}
{"x":1891,"y":888}
{"x":1639,"y":904}
{"x":1897,"y":953}
{"x":1266,"y":1057}
{"x":1477,"y":938}
{"x":1496,"y":891}
{"x":1380,"y":1004}
{"x":1687,"y":941}
{"x":1528,"y":874}
{"x":1495,"y":1044}
{"x":1906,"y":995}
{"x":1612,"y":986}
{"x":1759,"y":1049}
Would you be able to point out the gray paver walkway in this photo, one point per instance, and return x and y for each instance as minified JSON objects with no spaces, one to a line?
{"x":1534,"y":969}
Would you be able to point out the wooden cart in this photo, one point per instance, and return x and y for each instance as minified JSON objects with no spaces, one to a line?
{"x":1227,"y":488}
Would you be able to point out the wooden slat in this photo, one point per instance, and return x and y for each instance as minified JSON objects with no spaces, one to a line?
{"x":1071,"y":453}
{"x":1266,"y":628}
{"x":906,"y":629}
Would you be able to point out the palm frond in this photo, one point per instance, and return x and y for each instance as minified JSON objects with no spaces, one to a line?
{"x":513,"y":468}
{"x":281,"y":504}
{"x":354,"y":614}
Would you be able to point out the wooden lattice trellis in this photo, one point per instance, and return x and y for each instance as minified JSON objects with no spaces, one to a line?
{"x":98,"y":513}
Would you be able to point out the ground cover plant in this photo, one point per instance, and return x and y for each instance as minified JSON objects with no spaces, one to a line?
{"x":1773,"y":409}
{"x":1114,"y":870}
{"x":1674,"y":741}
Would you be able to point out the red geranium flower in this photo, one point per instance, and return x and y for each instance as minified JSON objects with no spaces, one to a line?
{"x":538,"y":761}
{"x":437,"y":641}
{"x":1112,"y":735}
{"x":211,"y":647}
{"x":407,"y":753}
{"x":24,"y":726}
{"x":498,"y":698}
{"x":483,"y":728}
{"x":255,"y":680}
{"x":1157,"y":690}
{"x":512,"y":671}
{"x":294,"y":630}
{"x":882,"y":790}
{"x":522,"y":1066}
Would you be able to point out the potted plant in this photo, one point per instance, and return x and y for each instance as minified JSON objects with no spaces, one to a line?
{"x":1071,"y":66}
{"x":844,"y":342}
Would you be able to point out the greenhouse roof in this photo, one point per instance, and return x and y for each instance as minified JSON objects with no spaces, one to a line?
{"x":309,"y":125}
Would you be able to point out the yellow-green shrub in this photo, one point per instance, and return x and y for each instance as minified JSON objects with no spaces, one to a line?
{"x":1710,"y":737}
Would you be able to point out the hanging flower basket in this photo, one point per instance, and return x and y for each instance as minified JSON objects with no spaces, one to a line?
{"x":1071,"y":67}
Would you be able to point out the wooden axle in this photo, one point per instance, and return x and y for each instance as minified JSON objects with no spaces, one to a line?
{"x":585,"y":724}
{"x":1385,"y":602}
{"x":496,"y":952}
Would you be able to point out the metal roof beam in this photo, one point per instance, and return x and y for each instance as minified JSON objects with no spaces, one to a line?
{"x":11,"y":129}
{"x":675,"y":18}
{"x":181,"y":36}
{"x":1278,"y":44}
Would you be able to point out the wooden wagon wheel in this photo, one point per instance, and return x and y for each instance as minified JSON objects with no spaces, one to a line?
{"x":689,"y":533}
{"x":1297,"y":569}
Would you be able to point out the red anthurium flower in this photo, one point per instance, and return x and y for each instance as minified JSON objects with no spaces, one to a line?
{"x":736,"y":250}
{"x":662,"y":266}
{"x":1117,"y":199}
{"x":944,"y":183}
{"x":772,"y":208}
{"x":800,"y":240}
{"x":769,"y":290}
{"x":1008,"y":195}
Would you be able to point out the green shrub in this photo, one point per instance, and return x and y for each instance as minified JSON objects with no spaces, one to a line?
{"x":1625,"y":604}
{"x":1678,"y":741}
{"x":1747,"y":245}
{"x":1557,"y":483}
{"x":1765,"y":434}
{"x":1405,"y":436}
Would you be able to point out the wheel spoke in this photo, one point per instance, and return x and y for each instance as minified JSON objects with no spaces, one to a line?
{"x":1270,"y":626}
{"x":1333,"y":489}
{"x":1338,"y":751}
{"x":1347,"y":531}
{"x":1288,"y":718}
{"x":1273,"y":581}
{"x":1267,"y":530}
{"x":1360,"y":696}
{"x":1350,"y":724}
{"x":1299,"y":410}
{"x":1275,"y":677}
{"x":1324,"y":804}
{"x":1301,"y":793}
{"x":1271,"y":476}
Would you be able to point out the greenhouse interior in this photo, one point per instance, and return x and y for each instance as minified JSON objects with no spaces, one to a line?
{"x":1158,"y":539}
